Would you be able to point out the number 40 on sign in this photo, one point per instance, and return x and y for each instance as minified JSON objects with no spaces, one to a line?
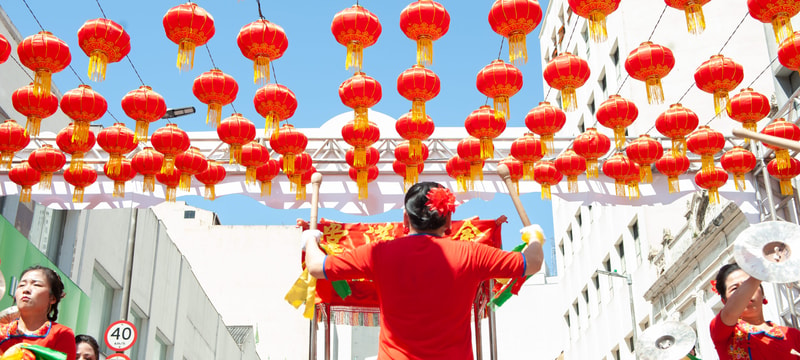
{"x":120,"y":335}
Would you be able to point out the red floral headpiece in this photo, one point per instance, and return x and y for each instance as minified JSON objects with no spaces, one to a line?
{"x":441,"y":200}
{"x":714,"y":286}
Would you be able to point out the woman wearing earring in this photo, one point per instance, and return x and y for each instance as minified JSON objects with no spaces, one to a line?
{"x":739,"y":331}
{"x":37,"y":296}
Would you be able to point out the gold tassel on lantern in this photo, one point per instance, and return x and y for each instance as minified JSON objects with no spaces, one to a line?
{"x":487,"y":148}
{"x":501,"y":107}
{"x":721,"y":102}
{"x":169,"y":164}
{"x":41,"y":82}
{"x":679,"y":147}
{"x":674,"y":185}
{"x":81,"y":132}
{"x":185,"y":55}
{"x":25,"y":194}
{"x":236,"y":153}
{"x":782,"y":158}
{"x":169,"y":195}
{"x":645,"y":174}
{"x":141,"y":131}
{"x":713,"y":196}
{"x":597,"y":26}
{"x":517,"y":48}
{"x":547,"y":144}
{"x":592,"y":170}
{"x":114,"y":164}
{"x":707,"y":162}
{"x":301,"y":192}
{"x":782,"y":26}
{"x":360,"y":157}
{"x":272,"y":122}
{"x":461,"y":181}
{"x":476,"y":171}
{"x":210,"y":193}
{"x":186,"y":181}
{"x":738,"y":180}
{"x":76,"y":161}
{"x":527,"y":170}
{"x":288,"y":164}
{"x":695,"y":21}
{"x":250,"y":175}
{"x":119,"y":189}
{"x":97,"y":65}
{"x":620,"y":187}
{"x":414,"y":148}
{"x":261,"y":70}
{"x":655,"y":92}
{"x":424,"y":50}
{"x":418,"y":111}
{"x":33,"y":125}
{"x":546,"y":192}
{"x":46,"y":181}
{"x":266,"y":188}
{"x":569,"y":99}
{"x":6,"y":158}
{"x":360,"y":120}
{"x":412,"y":175}
{"x":214,"y":114}
{"x":633,"y":190}
{"x":516,"y":185}
{"x":786,"y":187}
{"x":355,"y":54}
{"x":363,"y":185}
{"x":77,"y":195}
{"x":619,"y":137}
{"x":572,"y":183}
{"x":149,"y":183}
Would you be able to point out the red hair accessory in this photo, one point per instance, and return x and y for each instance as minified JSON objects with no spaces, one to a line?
{"x":441,"y":200}
{"x":714,"y":286}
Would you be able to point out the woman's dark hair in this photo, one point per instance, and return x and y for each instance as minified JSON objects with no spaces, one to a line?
{"x":56,"y":288}
{"x":722,"y":276}
{"x":420,"y":216}
{"x":89,"y":340}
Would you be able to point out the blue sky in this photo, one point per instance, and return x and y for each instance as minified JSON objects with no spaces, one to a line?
{"x":312,"y":67}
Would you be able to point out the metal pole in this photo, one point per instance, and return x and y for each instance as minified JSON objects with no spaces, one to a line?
{"x":633,"y":312}
{"x":790,"y":295}
{"x":492,"y":325}
{"x":767,"y":184}
{"x":312,"y":337}
{"x":327,"y":313}
{"x":126,"y":281}
{"x":478,"y":336}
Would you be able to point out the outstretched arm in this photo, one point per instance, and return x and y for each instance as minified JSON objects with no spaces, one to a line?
{"x":738,"y":300}
{"x":315,"y":258}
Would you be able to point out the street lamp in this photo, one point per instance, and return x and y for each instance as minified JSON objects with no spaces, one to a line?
{"x":627,"y":277}
{"x":173,"y":113}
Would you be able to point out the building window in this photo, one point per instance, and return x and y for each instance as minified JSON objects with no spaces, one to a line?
{"x":621,"y":251}
{"x":603,"y":83}
{"x":615,"y":55}
{"x":585,"y":33}
{"x":629,"y":341}
{"x":561,"y":248}
{"x":581,"y":126}
{"x":162,"y":349}
{"x":644,"y":325}
{"x":591,"y":104}
{"x":138,"y":320}
{"x":585,"y":294}
{"x":607,"y":266}
{"x":577,"y":309}
{"x":596,"y":283}
{"x":616,"y":354}
{"x":636,"y":240}
{"x":579,"y":218}
{"x":102,"y":302}
{"x":188,"y":214}
{"x":569,"y":233}
{"x":566,"y":318}
{"x":569,"y":14}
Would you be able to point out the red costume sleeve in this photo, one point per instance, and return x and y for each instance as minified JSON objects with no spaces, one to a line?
{"x":720,"y":333}
{"x":497,"y":263}
{"x":352,"y":264}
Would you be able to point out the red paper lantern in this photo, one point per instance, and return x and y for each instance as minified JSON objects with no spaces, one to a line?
{"x":117,"y":140}
{"x":514,"y":170}
{"x":676,"y":123}
{"x":262,"y":42}
{"x":212,"y":175}
{"x":67,"y":144}
{"x":527,"y":149}
{"x":414,"y":131}
{"x":305,"y":179}
{"x":418,"y":85}
{"x":777,"y":12}
{"x":103,"y":41}
{"x":644,"y":151}
{"x":356,"y":28}
{"x":170,"y":141}
{"x":216,"y":89}
{"x":363,"y":177}
{"x":739,"y":162}
{"x":706,"y":143}
{"x":288,"y":143}
{"x":499,"y":81}
{"x":145,"y":106}
{"x":514,"y":20}
{"x":300,"y":177}
{"x":748,"y":107}
{"x":361,"y":174}
{"x":789,"y":52}
{"x":5,"y":49}
{"x":253,"y":155}
{"x":83,"y":105}
{"x":360,"y":139}
{"x":236,"y":131}
{"x":546,"y":174}
{"x":265,"y":173}
{"x":360,"y":92}
{"x":275,"y":103}
{"x":372,"y":158}
{"x":782,"y":129}
{"x":617,"y":113}
{"x":403,"y":154}
{"x":650,"y":63}
{"x":711,"y":181}
{"x":25,"y":176}
{"x":673,"y":165}
{"x":402,"y":170}
{"x":80,"y":178}
{"x":785,"y":175}
{"x":485,"y":125}
{"x":124,"y":173}
{"x":458,"y":169}
{"x":595,"y":11}
{"x":44,"y":54}
{"x":190,"y":162}
{"x":46,"y":160}
{"x":171,"y":181}
{"x":12,"y":139}
{"x":34,"y":107}
{"x":545,"y":120}
{"x":591,"y":145}
{"x":469,"y":149}
{"x":571,"y":164}
{"x":424,"y":21}
{"x":695,"y":21}
{"x":148,"y":162}
{"x":567,"y":72}
{"x":189,"y":26}
{"x":719,"y":76}
{"x":619,"y":167}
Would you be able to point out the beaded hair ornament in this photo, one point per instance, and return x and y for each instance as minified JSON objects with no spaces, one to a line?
{"x":441,"y":200}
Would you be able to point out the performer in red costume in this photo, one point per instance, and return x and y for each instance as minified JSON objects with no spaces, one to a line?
{"x":425,"y":281}
{"x":739,"y":331}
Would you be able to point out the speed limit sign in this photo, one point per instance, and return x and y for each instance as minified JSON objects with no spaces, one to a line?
{"x":120,"y":335}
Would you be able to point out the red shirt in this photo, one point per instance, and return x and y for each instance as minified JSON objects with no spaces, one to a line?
{"x":51,"y":335}
{"x":425,"y":287}
{"x":744,"y":341}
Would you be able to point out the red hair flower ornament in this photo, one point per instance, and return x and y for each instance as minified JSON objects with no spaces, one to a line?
{"x":441,"y":200}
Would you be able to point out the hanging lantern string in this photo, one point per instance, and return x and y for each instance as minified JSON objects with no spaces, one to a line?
{"x":32,"y":14}
{"x":259,"y":10}
{"x":274,"y":75}
{"x":762,"y":72}
{"x":500,"y":52}
{"x":126,"y":56}
{"x":623,"y":83}
{"x":211,"y":57}
{"x":733,"y":33}
{"x":24,"y":69}
{"x":657,"y":22}
{"x":569,"y":40}
{"x":76,"y":74}
{"x":101,"y":9}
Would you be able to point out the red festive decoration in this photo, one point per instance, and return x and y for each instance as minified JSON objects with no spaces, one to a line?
{"x":595,"y":11}
{"x":189,"y":26}
{"x":401,"y":169}
{"x":783,"y":129}
{"x":632,"y":180}
{"x":785,"y":175}
{"x":360,"y":139}
{"x":485,"y":125}
{"x":104,"y":42}
{"x":571,"y":164}
{"x":360,"y":92}
{"x":528,"y":150}
{"x":34,"y":107}
{"x":515,"y":19}
{"x":171,"y":181}
{"x":265,"y":173}
{"x":748,"y":107}
{"x":46,"y":160}
{"x":499,"y":81}
{"x":567,"y":72}
{"x":356,"y":28}
{"x":676,"y":123}
{"x":190,"y":162}
{"x":5,"y":49}
{"x":591,"y":145}
{"x":288,"y":143}
{"x":148,"y":162}
{"x":83,"y":105}
{"x":739,"y":162}
{"x":124,"y":173}
{"x":719,"y":76}
{"x":650,"y":63}
{"x":117,"y":140}
{"x":216,"y":89}
{"x":275,"y":103}
{"x":67,"y":144}
{"x":711,"y":181}
{"x":403,"y":154}
{"x":644,"y":151}
{"x":305,"y":179}
{"x":619,"y":167}
{"x":545,"y":120}
{"x":414,"y":131}
{"x":777,"y":12}
{"x":253,"y":155}
{"x":170,"y":141}
{"x":145,"y":106}
{"x":418,"y":85}
{"x":369,"y":175}
{"x":212,"y":175}
{"x":80,"y":178}
{"x":514,"y":169}
{"x":44,"y":54}
{"x":262,"y":42}
{"x":25,"y":176}
{"x":300,"y":176}
{"x":424,"y":21}
{"x":617,"y":113}
{"x":789,"y":52}
{"x":706,"y":143}
{"x":12,"y":139}
{"x":458,"y":169}
{"x":236,"y":131}
{"x":673,"y":165}
{"x":546,"y":174}
{"x":362,"y":173}
{"x":695,"y":21}
{"x":469,"y":149}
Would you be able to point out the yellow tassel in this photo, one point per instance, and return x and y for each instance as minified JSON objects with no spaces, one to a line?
{"x":185,"y":55}
{"x":695,"y":21}
{"x":355,"y":54}
{"x":119,"y":189}
{"x":261,"y":70}
{"x":674,"y":186}
{"x":141,"y":131}
{"x":597,"y":26}
{"x":41,"y":83}
{"x":32,"y":125}
{"x":476,"y":171}
{"x":301,"y":192}
{"x":679,"y":146}
{"x":80,"y":133}
{"x":77,"y":195}
{"x":186,"y":181}
{"x":361,"y":180}
{"x":360,"y":157}
{"x":645,"y":174}
{"x":749,"y":125}
{"x":713,"y":196}
{"x":210,"y":194}
{"x":418,"y":111}
{"x":620,"y":187}
{"x":360,"y":120}
{"x":572,"y":183}
{"x":170,"y":194}
{"x":527,"y":170}
{"x":236,"y":153}
{"x":45,"y":181}
{"x":487,"y":148}
{"x":414,"y":148}
{"x":517,"y":49}
{"x":266,"y":188}
{"x":592,"y":170}
{"x":6,"y":158}
{"x":169,"y":164}
{"x":501,"y":107}
{"x":655,"y":92}
{"x":25,"y":194}
{"x":782,"y":157}
{"x":782,"y":26}
{"x":114,"y":164}
{"x":76,"y":161}
{"x":250,"y":175}
{"x":214,"y":114}
{"x":424,"y":50}
{"x":97,"y":65}
{"x":272,"y":122}
{"x":149,"y":183}
{"x":707,"y":164}
{"x":569,"y":99}
{"x":738,"y":179}
{"x":288,"y":164}
{"x":721,"y":102}
{"x":546,"y":192}
{"x":547,"y":144}
{"x":633,"y":190}
{"x":619,"y":137}
{"x":786,"y":188}
{"x":516,"y":184}
{"x":461,"y":181}
{"x":412,"y":175}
